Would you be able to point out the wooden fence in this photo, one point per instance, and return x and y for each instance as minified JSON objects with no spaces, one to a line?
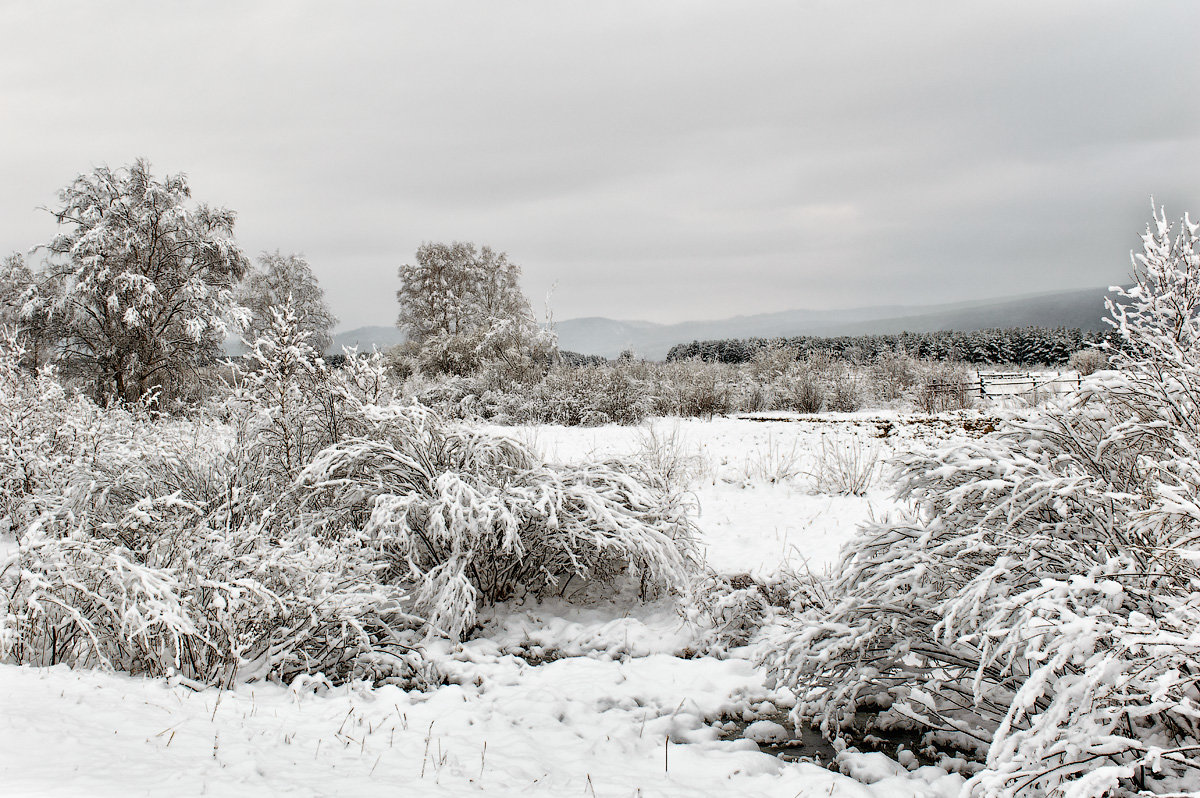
{"x":999,"y":384}
{"x":948,"y":394}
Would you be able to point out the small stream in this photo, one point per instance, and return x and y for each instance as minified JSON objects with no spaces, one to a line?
{"x":807,"y":744}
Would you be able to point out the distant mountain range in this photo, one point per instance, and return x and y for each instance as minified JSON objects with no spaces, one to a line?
{"x":608,"y":337}
{"x":363,"y":338}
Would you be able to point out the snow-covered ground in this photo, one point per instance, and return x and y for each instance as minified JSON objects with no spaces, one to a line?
{"x":605,"y":698}
{"x":756,"y":478}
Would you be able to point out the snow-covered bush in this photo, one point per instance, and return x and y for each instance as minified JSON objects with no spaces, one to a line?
{"x":319,"y":528}
{"x":1040,"y":605}
{"x":582,"y":395}
{"x":292,"y":402}
{"x":730,"y":611}
{"x":1088,"y":361}
{"x":32,"y":447}
{"x":802,"y":389}
{"x":155,"y":550}
{"x":942,"y":386}
{"x":771,"y":362}
{"x":893,"y":374}
{"x":461,"y":517}
{"x":845,"y":394}
{"x":162,"y":592}
{"x":692,"y":388}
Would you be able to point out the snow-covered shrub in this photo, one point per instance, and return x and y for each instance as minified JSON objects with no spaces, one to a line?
{"x":156,"y":545}
{"x":462,"y":517}
{"x":732,"y":610}
{"x":584,"y":395}
{"x":942,"y":386}
{"x":161,"y":555}
{"x":802,"y":389}
{"x":215,"y":606}
{"x":317,"y":527}
{"x":771,"y":362}
{"x":692,"y":389}
{"x":893,"y":374}
{"x":461,"y":397}
{"x":728,"y":611}
{"x":1088,"y":361}
{"x":293,"y":402}
{"x":844,"y":393}
{"x":31,"y":443}
{"x":1040,"y":605}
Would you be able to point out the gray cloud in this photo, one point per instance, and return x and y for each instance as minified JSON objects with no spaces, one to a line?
{"x":660,"y":161}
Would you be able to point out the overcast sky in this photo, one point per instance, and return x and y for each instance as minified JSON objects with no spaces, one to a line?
{"x":646,"y":160}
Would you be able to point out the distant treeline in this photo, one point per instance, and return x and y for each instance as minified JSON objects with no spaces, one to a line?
{"x":576,"y":359}
{"x":1051,"y":346}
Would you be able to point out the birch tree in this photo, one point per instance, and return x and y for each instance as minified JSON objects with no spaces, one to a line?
{"x":147,"y":280}
{"x":287,"y":280}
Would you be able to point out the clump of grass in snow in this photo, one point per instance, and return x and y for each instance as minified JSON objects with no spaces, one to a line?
{"x":668,"y":458}
{"x":773,"y":463}
{"x":846,"y":468}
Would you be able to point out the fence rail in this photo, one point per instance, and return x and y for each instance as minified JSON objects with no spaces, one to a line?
{"x":997,"y":385}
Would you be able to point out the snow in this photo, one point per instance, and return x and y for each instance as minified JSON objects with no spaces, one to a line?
{"x":551,"y":729}
{"x":750,"y":524}
{"x":594,"y":696}
{"x":766,"y":731}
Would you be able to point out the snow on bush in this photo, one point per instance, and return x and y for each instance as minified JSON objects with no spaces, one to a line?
{"x":321,"y":529}
{"x":36,"y":443}
{"x":292,"y":403}
{"x":464,"y":517}
{"x":1088,"y":361}
{"x":158,"y":553}
{"x":1040,"y":606}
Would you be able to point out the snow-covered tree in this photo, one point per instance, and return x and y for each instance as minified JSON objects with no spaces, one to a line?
{"x":29,"y":323}
{"x":275,"y":280}
{"x":147,"y":279}
{"x":454,"y":288}
{"x":16,"y":280}
{"x":462,"y":307}
{"x":1039,"y":607}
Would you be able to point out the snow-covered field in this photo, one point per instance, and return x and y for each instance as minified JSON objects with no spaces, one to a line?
{"x":600,"y":695}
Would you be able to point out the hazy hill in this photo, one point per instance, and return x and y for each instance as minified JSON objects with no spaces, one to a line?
{"x":600,"y":336}
{"x":366,"y":337}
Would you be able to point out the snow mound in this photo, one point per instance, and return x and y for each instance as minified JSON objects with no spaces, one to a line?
{"x":766,"y":731}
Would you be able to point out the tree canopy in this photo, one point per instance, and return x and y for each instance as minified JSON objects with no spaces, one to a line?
{"x":462,"y":307}
{"x":455,"y":288}
{"x":278,"y":280}
{"x":147,"y":279}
